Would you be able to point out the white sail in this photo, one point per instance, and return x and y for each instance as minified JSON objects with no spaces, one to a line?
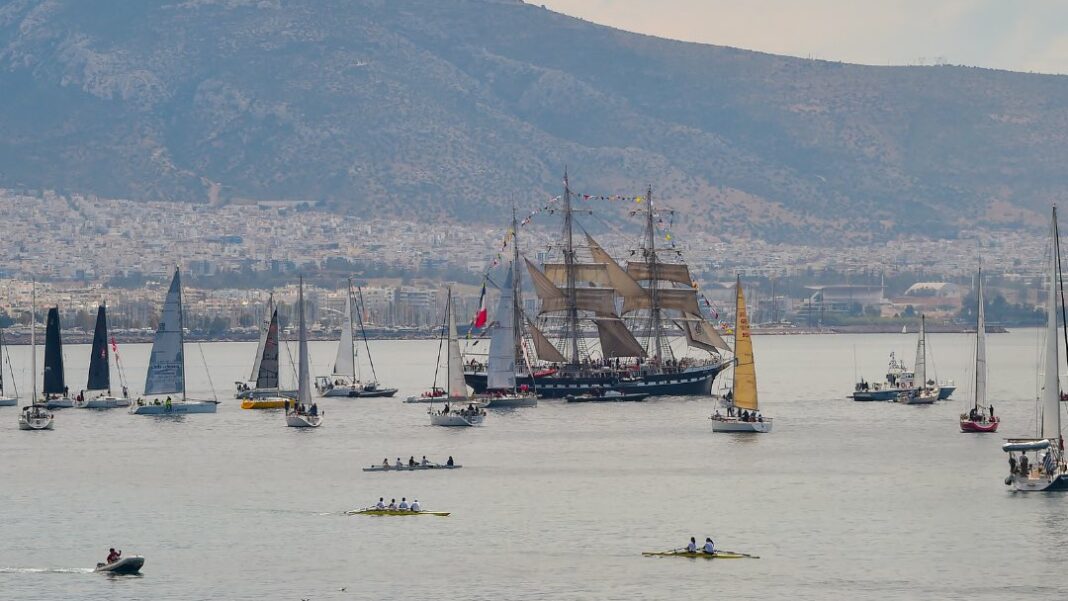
{"x":500,"y":366}
{"x":980,"y":350}
{"x":1051,"y":417}
{"x":343,"y":362}
{"x":304,"y":371}
{"x":264,"y":327}
{"x":457,"y":385}
{"x":166,"y":366}
{"x":921,"y":355}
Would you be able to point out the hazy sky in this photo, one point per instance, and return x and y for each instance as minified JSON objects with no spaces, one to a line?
{"x":1022,"y":35}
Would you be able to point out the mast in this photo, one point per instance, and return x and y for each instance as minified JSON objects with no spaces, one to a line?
{"x":569,"y":267}
{"x":980,"y":346}
{"x":517,"y":300}
{"x":654,"y":285}
{"x":351,"y":299}
{"x":181,"y":327}
{"x":304,"y":370}
{"x":33,"y":340}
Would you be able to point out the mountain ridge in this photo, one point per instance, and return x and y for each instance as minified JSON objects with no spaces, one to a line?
{"x":454,"y":110}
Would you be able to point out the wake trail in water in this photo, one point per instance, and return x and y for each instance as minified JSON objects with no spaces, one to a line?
{"x":46,"y":570}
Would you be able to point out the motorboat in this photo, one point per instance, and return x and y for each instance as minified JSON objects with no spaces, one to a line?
{"x":124,"y":565}
{"x":743,"y":413}
{"x":606,"y":396}
{"x":434,"y":395}
{"x":303,"y":413}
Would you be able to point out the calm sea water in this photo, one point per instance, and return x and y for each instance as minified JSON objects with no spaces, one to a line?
{"x":843,"y":501}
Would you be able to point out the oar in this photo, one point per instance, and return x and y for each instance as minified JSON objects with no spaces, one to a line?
{"x":737,"y":553}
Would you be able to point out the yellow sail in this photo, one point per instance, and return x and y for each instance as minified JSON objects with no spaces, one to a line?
{"x":745,"y":389}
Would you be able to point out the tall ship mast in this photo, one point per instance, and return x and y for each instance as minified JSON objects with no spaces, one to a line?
{"x":605,"y":326}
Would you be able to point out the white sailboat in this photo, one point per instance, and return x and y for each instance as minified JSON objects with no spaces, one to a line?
{"x":925,"y":392}
{"x":34,"y":416}
{"x":6,"y":400}
{"x":1045,"y":469}
{"x":346,"y":381}
{"x":467,"y":415}
{"x":506,"y":347}
{"x":743,"y":412}
{"x":166,"y":365}
{"x":978,"y":418}
{"x":304,"y":413}
{"x":99,"y":381}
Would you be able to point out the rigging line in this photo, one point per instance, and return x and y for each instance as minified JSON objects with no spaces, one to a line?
{"x":207,"y":371}
{"x":10,"y":369}
{"x":1060,"y":282}
{"x":441,"y":339}
{"x":363,"y":331}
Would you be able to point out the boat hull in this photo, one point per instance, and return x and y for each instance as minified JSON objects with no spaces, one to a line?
{"x":396,"y":512}
{"x":258,"y":394}
{"x":695,"y":381}
{"x":945,"y":391}
{"x":967,"y":425}
{"x":376,"y":393}
{"x":8,"y":401}
{"x":35,"y":423}
{"x":266,"y":403}
{"x":412,"y":468}
{"x":723,"y":423}
{"x":126,"y":565}
{"x":1024,"y":484}
{"x":510,"y":401}
{"x":294,"y":420}
{"x":104,"y":402}
{"x":886,"y":394}
{"x":58,"y":403}
{"x":634,"y":397}
{"x":341,"y":391}
{"x":179,"y":408}
{"x":700,"y":555}
{"x":455,"y":420}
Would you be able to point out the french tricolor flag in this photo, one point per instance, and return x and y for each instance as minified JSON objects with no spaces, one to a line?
{"x":481,"y":315}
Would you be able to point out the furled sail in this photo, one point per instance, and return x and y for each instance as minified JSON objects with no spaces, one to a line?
{"x":264,"y":326}
{"x":343,"y":362}
{"x":616,"y":339}
{"x":457,"y":385}
{"x":545,"y":349}
{"x":304,"y":368}
{"x":1051,"y":394}
{"x":678,"y":299}
{"x":745,"y":390}
{"x":921,"y":355}
{"x":701,"y":334}
{"x":54,"y":382}
{"x":99,"y":374}
{"x":500,"y":365}
{"x":166,"y":365}
{"x":268,"y":375}
{"x":665,"y":272}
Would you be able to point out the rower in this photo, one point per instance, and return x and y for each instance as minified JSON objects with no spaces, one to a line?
{"x":385,"y":462}
{"x":392,"y":504}
{"x":692,"y":547}
{"x":403,"y":504}
{"x":449,"y":462}
{"x":425,"y":462}
{"x":381,"y":503}
{"x":415,"y":505}
{"x":399,"y":464}
{"x":710,"y":547}
{"x":411,"y":461}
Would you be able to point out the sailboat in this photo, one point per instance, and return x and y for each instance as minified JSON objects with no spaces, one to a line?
{"x":267,"y":395}
{"x":57,"y":394}
{"x":166,"y":364}
{"x":100,"y":371}
{"x":1048,"y":471}
{"x":345,"y":380}
{"x":249,"y":389}
{"x":6,"y":400}
{"x":34,"y":416}
{"x":977,"y":418}
{"x":743,"y":412}
{"x":506,"y":346}
{"x":925,"y":392}
{"x":304,"y":413}
{"x":593,"y":311}
{"x":457,"y":393}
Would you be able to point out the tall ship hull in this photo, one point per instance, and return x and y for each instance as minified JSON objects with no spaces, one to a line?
{"x":694,"y":381}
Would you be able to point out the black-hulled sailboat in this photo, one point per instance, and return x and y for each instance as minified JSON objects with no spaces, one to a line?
{"x":56,"y":392}
{"x":592,"y":311}
{"x":97,"y":393}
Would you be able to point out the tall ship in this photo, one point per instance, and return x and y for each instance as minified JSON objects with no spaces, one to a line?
{"x":602,"y":326}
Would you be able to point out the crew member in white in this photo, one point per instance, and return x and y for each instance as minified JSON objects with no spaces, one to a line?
{"x":692,"y":547}
{"x":381,"y":503}
{"x":710,"y":547}
{"x":403,"y":503}
{"x":392,"y":504}
{"x":415,"y":505}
